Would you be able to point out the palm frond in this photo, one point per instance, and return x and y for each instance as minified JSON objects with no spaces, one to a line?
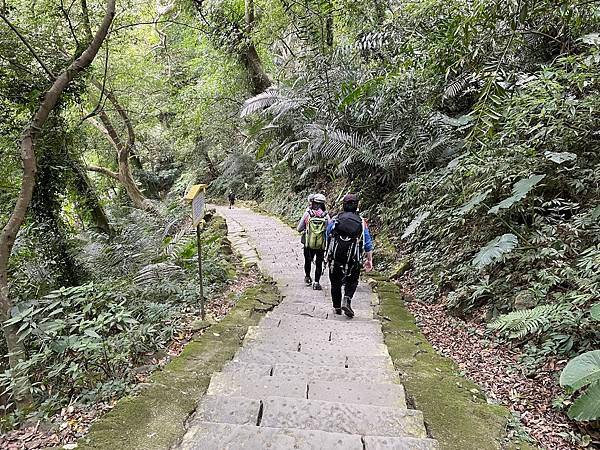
{"x":260,"y":102}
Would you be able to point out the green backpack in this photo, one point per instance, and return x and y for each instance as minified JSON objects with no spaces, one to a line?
{"x":315,"y":233}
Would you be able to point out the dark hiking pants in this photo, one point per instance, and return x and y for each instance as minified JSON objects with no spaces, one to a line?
{"x":318,"y":256}
{"x":338,"y":279}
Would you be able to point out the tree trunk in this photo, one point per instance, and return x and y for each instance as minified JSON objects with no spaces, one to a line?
{"x":329,"y":24}
{"x":50,"y":99}
{"x":123,"y":151}
{"x":259,"y":81}
{"x":88,"y":194}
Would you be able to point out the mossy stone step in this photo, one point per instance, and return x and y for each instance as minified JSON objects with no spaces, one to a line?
{"x":350,"y":418}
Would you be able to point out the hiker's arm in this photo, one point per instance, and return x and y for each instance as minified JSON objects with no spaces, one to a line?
{"x":368,"y":240}
{"x":328,"y":231}
{"x":302,"y":224}
{"x":368,"y":247}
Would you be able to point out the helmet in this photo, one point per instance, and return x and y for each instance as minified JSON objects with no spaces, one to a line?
{"x":319,"y":198}
{"x":311,"y":197}
{"x":350,"y":198}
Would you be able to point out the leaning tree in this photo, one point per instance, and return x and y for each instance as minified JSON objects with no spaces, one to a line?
{"x":48,"y":102}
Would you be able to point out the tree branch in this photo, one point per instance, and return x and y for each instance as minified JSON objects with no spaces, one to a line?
{"x":110,"y":131}
{"x":103,"y":171}
{"x":122,"y":113}
{"x":29,"y":47}
{"x":68,"y":18}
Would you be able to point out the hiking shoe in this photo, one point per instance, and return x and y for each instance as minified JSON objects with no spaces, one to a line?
{"x":317,"y":286}
{"x":346,"y":307}
{"x":338,"y":311}
{"x":307,"y":280}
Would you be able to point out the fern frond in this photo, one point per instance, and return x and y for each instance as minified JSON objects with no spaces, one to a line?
{"x":519,"y":324}
{"x":153,"y":273}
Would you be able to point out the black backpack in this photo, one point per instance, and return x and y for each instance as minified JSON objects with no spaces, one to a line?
{"x":346,"y":237}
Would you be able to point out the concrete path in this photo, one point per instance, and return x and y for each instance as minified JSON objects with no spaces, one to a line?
{"x":304,"y":378}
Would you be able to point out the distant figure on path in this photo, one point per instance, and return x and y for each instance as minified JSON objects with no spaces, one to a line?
{"x":313,"y":225}
{"x":231,"y":198}
{"x":349,"y":242}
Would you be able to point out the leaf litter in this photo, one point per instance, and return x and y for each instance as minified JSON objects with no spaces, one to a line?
{"x":495,"y":367}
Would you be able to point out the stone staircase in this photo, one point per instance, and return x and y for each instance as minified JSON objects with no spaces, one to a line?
{"x":304,"y":378}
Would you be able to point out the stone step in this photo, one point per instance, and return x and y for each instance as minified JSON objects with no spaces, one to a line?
{"x":248,"y":369}
{"x":322,"y":299}
{"x":318,"y":313}
{"x":281,"y":412}
{"x":227,"y":409}
{"x":327,"y":348}
{"x":292,"y":322}
{"x":349,"y":337}
{"x":224,"y":436}
{"x":390,"y":395}
{"x":398,"y":443}
{"x":291,"y":385}
{"x":272,"y":334}
{"x":257,"y":387}
{"x":252,"y":371}
{"x":264,"y":356}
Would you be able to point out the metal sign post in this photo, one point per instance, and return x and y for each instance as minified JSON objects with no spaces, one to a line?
{"x":197,"y":198}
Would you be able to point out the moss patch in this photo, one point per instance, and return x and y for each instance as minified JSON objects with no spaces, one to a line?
{"x":455,"y":411}
{"x":155,"y":419}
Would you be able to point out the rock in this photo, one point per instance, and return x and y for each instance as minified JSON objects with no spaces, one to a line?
{"x":524,"y":300}
{"x":198,"y":325}
{"x":400,"y":269}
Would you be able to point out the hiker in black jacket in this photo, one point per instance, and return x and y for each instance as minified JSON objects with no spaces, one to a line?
{"x":349,"y":242}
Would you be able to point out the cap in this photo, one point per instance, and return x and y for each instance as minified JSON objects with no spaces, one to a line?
{"x":319,"y":198}
{"x":350,"y":198}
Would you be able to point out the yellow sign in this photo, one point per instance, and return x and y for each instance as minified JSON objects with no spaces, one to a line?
{"x":196,"y":196}
{"x":194,"y":191}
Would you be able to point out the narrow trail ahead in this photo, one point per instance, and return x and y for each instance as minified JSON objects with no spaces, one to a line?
{"x":304,"y":378}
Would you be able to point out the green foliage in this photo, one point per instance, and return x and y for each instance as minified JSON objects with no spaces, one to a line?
{"x":85,"y":341}
{"x":519,"y":191}
{"x":412,"y":226}
{"x":581,"y":372}
{"x":519,"y":324}
{"x":495,"y":250}
{"x":468,"y":130}
{"x":595,"y":311}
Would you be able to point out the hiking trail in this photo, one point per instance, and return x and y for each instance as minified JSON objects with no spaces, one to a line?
{"x":304,"y":378}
